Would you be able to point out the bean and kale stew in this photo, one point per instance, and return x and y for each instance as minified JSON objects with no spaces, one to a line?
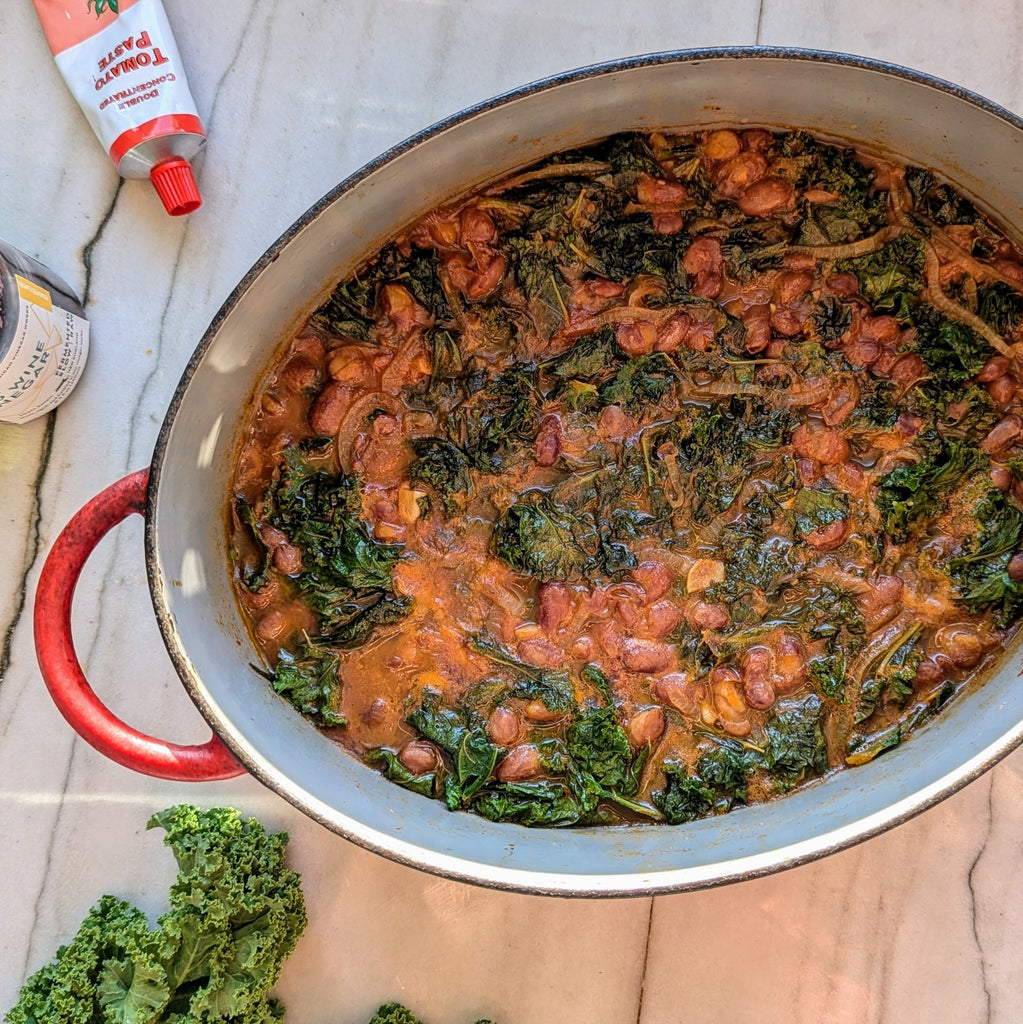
{"x":661,"y":478}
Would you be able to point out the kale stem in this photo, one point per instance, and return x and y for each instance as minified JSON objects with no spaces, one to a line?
{"x":642,"y":809}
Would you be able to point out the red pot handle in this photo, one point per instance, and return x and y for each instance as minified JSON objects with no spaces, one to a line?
{"x":67,"y":684}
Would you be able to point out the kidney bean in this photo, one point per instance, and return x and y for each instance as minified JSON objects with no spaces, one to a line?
{"x":583,"y":648}
{"x":789,"y":663}
{"x":272,"y":625}
{"x":548,"y":440}
{"x":419,"y":757}
{"x":1001,"y":477}
{"x":311,"y":346}
{"x":708,"y":286}
{"x":288,"y":559}
{"x":788,"y":322}
{"x":766,"y":196}
{"x":721,"y":145}
{"x":376,"y":713}
{"x":757,"y":139}
{"x":735,"y":176}
{"x":790,"y":285}
{"x":656,"y":191}
{"x":1003,"y":434}
{"x":661,"y":619}
{"x":847,"y":476}
{"x":541,"y":652}
{"x":268,"y":594}
{"x":646,"y":655}
{"x":611,"y":640}
{"x":666,"y":222}
{"x":707,"y":615}
{"x":555,"y":604}
{"x":672,"y":333}
{"x":1002,"y":391}
{"x":476,"y":227}
{"x":995,"y":367}
{"x":757,"y":667}
{"x":862,"y":352}
{"x":907,"y":369}
{"x":757,"y":321}
{"x":829,"y":537}
{"x":627,"y":614}
{"x":1015,"y":567}
{"x":646,"y":727}
{"x":823,"y":444}
{"x":615,"y":423}
{"x":960,"y":644}
{"x":729,"y":701}
{"x":655,"y":578}
{"x":521,"y":762}
{"x":928,"y":673}
{"x":703,"y":257}
{"x":881,"y":602}
{"x":328,"y":410}
{"x":885,"y":330}
{"x":845,"y":284}
{"x":538,"y":713}
{"x":681,"y":692}
{"x":503,"y":727}
{"x":272,"y":537}
{"x":298,"y":374}
{"x":636,"y":339}
{"x":697,"y":337}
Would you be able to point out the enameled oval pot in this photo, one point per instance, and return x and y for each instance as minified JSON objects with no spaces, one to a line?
{"x":904,"y":114}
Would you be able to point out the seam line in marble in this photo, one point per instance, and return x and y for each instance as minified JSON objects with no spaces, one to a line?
{"x":144,"y":386}
{"x":760,"y":21}
{"x":32,"y":552}
{"x":646,"y":958}
{"x":982,"y":967}
{"x":94,"y":241}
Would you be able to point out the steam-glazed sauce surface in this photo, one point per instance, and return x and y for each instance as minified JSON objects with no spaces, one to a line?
{"x":664,"y":477}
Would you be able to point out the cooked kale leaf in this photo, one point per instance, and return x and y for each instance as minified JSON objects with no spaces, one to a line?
{"x":442,"y":466}
{"x":952,"y":350}
{"x":346,"y":572}
{"x":795,"y":747}
{"x":910,"y":493}
{"x":540,"y":539}
{"x":980,"y":572}
{"x":891,"y":279}
{"x":309,"y":679}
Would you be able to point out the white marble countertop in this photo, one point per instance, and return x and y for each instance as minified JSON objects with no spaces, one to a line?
{"x":922,"y":924}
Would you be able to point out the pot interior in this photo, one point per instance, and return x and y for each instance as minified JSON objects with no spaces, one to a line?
{"x":919,"y":120}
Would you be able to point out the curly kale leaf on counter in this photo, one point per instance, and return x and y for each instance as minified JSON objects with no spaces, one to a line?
{"x":235,"y":915}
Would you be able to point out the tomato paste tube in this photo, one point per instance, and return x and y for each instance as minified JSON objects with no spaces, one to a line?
{"x":120,"y":61}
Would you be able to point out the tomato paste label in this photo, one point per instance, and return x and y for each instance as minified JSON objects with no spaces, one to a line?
{"x":46,"y":356}
{"x":128,"y":73}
